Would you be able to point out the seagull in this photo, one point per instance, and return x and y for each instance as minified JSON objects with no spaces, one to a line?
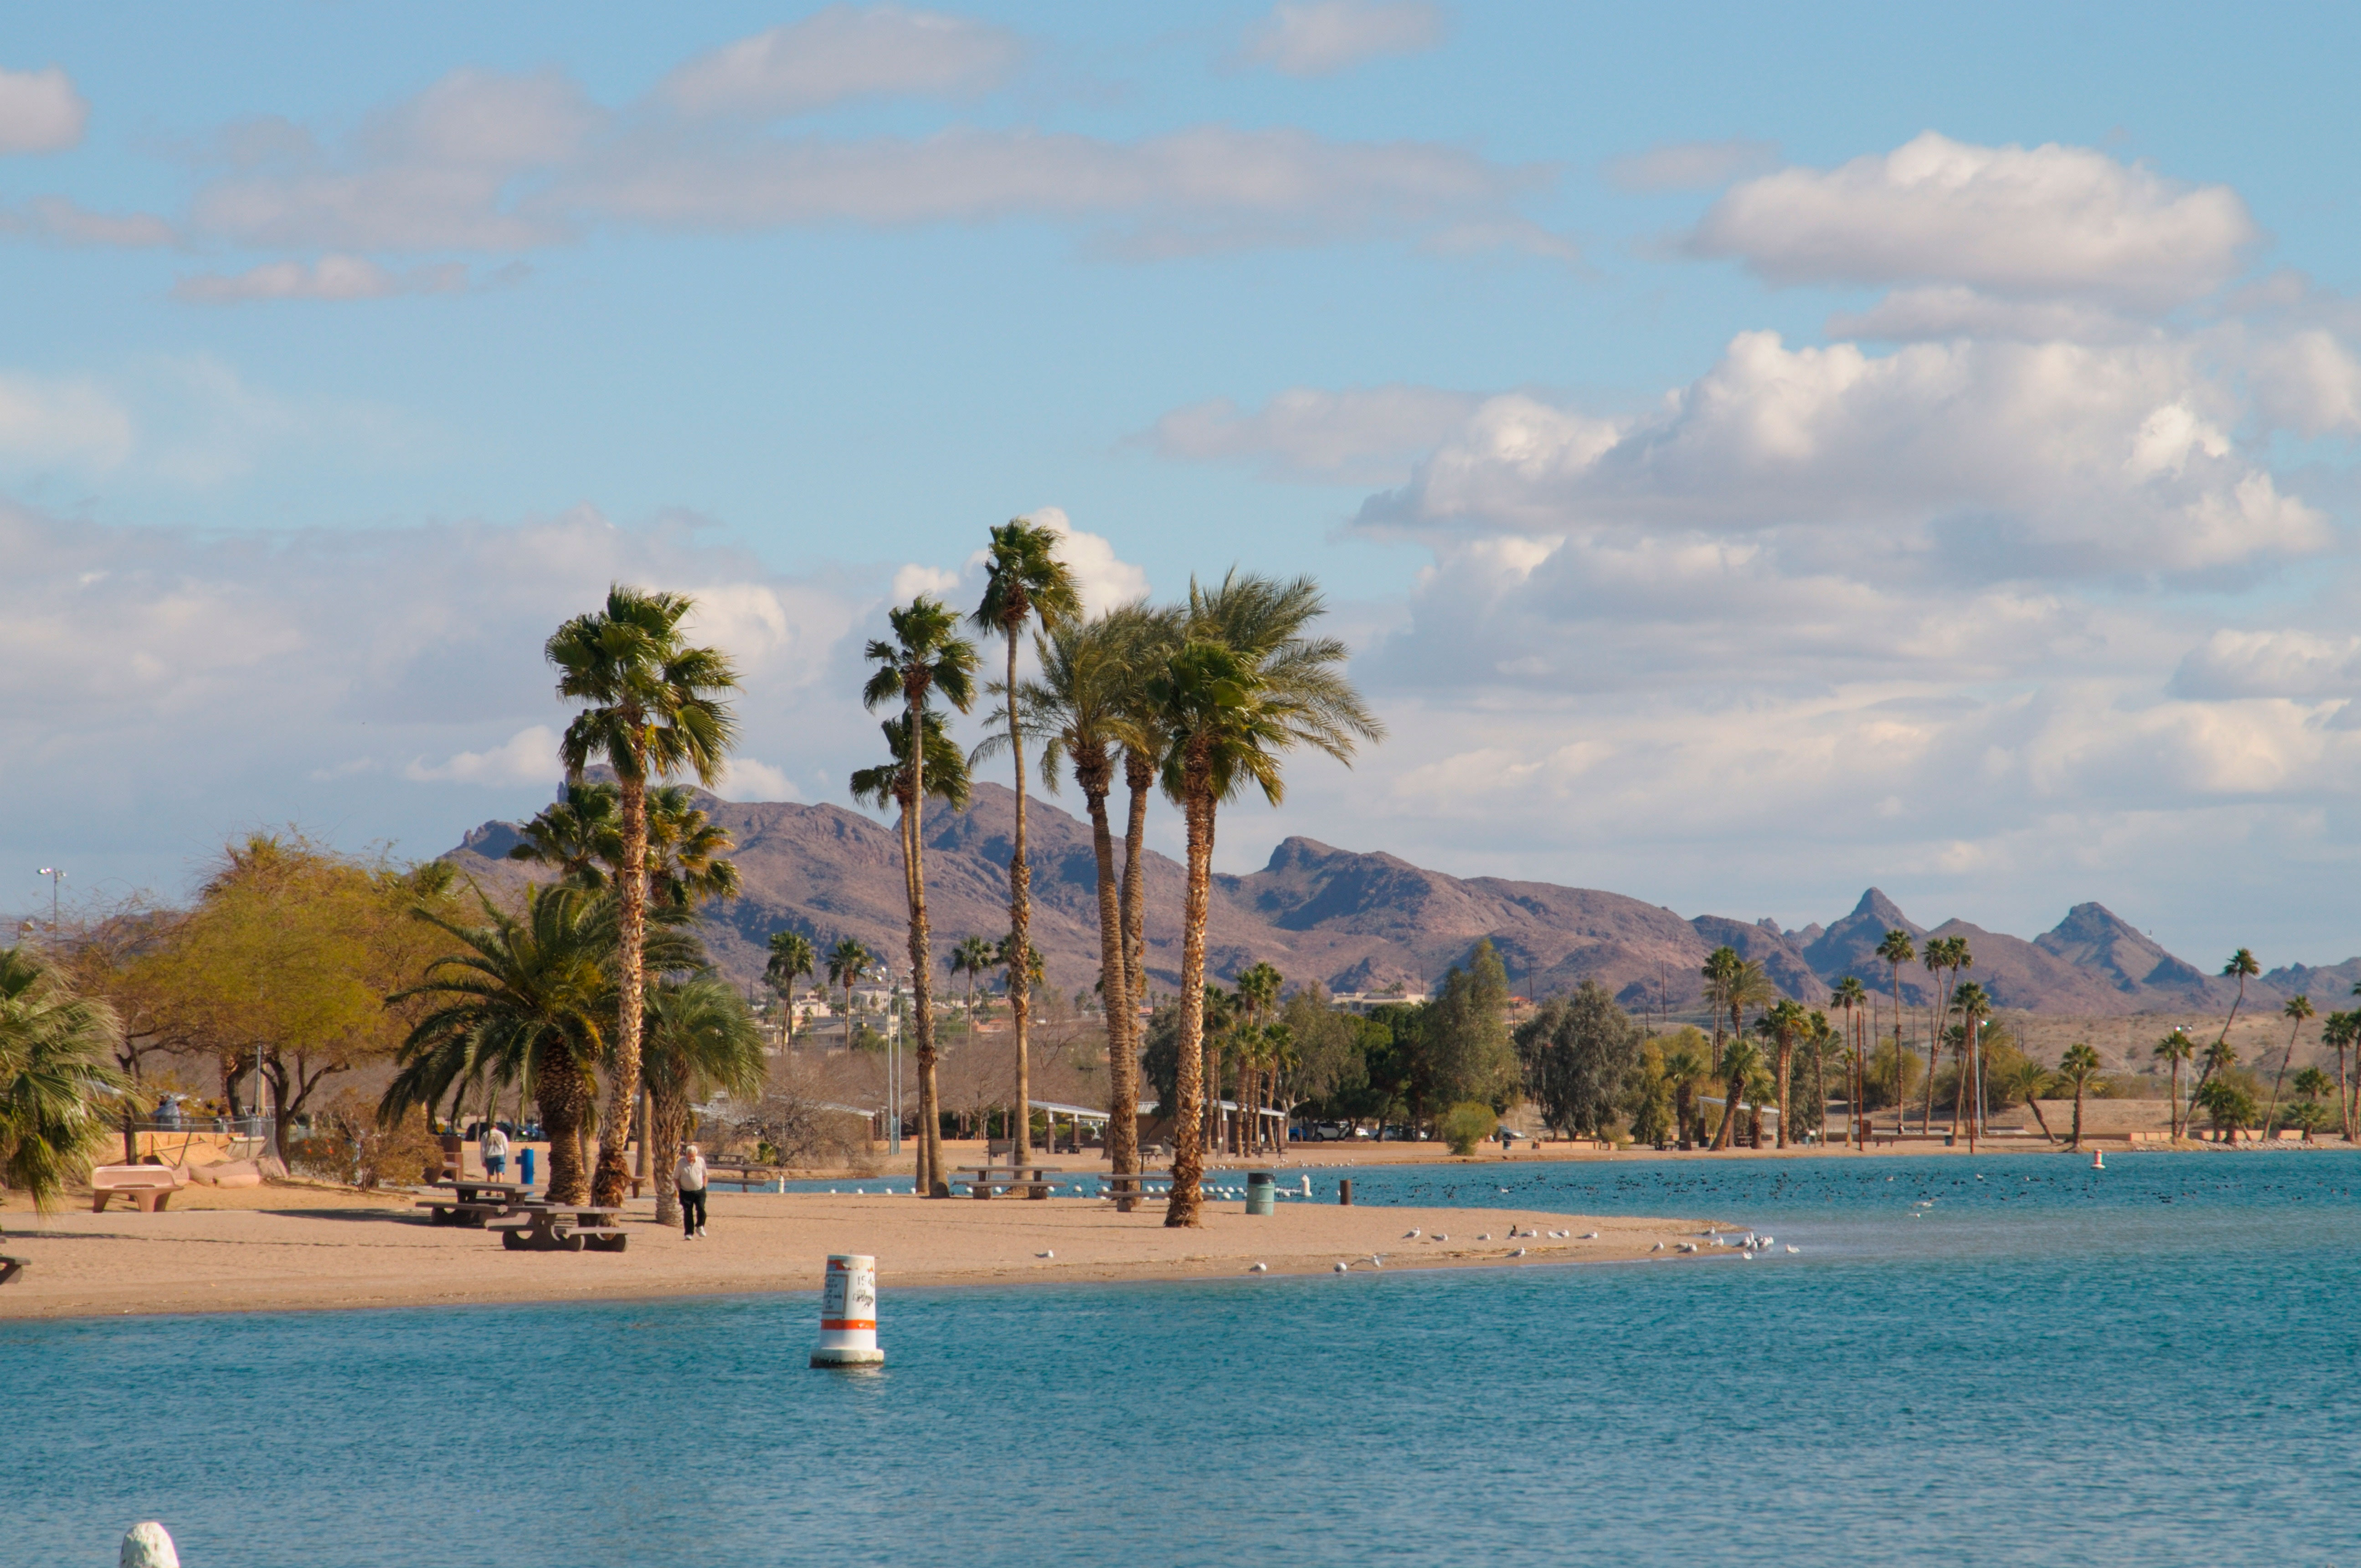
{"x":1688,"y":1246}
{"x":1485,"y":1237}
{"x":1586,"y":1235}
{"x":1794,"y":1250}
{"x":1411,"y":1234}
{"x":1045,"y":1254}
{"x":1658,"y":1247}
{"x":1344,"y":1268}
{"x":1440,"y":1237}
{"x":1259,"y":1268}
{"x":1519,"y":1252}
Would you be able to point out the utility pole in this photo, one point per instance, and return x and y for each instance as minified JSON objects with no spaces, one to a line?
{"x":55,"y":876}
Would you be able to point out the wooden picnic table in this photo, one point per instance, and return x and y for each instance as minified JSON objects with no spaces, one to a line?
{"x":561,"y":1227}
{"x":474,"y":1201}
{"x":986,"y":1180}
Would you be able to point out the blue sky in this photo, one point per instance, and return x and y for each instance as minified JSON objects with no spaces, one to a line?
{"x":1756,"y":457}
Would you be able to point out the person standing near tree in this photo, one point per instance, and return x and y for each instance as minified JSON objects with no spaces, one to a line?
{"x":688,"y":1180}
{"x":495,"y":1151}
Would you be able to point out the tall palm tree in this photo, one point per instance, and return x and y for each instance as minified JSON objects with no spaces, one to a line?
{"x":1784,"y":1024}
{"x":56,"y":1070}
{"x":1081,"y":708}
{"x":2076,"y":1067}
{"x":1741,"y":1064}
{"x":1974,"y":1007}
{"x":2172,"y":1050}
{"x":2340,"y":1032}
{"x":1897,"y":951}
{"x":926,"y":657}
{"x":847,"y":962}
{"x":1684,"y":1069}
{"x":581,"y":834}
{"x":1722,"y":970}
{"x":2297,"y":1012}
{"x":2241,"y":967}
{"x":791,"y":958}
{"x":700,"y":1038}
{"x":1852,"y":998}
{"x":652,"y":709}
{"x":1157,"y":634}
{"x":1024,"y":584}
{"x":1247,"y":686}
{"x":974,"y":958}
{"x":1942,"y":953}
{"x":1258,"y":991}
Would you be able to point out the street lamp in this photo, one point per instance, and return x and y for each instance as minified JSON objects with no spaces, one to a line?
{"x":56,"y":876}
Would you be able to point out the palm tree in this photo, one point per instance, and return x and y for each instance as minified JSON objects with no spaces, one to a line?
{"x":2241,"y":967}
{"x":2341,"y":1031}
{"x":529,"y":999}
{"x":2076,"y":1067}
{"x":1083,"y":707}
{"x":2025,"y":1084}
{"x":1897,"y":951}
{"x":2309,"y":1085}
{"x":791,"y":957}
{"x":56,"y":1066}
{"x":1942,"y":953}
{"x":847,"y":962}
{"x":2172,"y":1050}
{"x":1155,"y":635}
{"x":2297,"y":1012}
{"x":1782,"y":1024}
{"x":581,"y":834}
{"x":1741,"y":1064}
{"x":926,"y":657}
{"x":1684,"y":1069}
{"x":1023,"y":582}
{"x":1247,"y":686}
{"x":1257,"y":990}
{"x":1851,"y":997}
{"x":653,"y":707}
{"x":974,"y":958}
{"x":1967,"y":1097}
{"x":700,"y":1038}
{"x":1722,"y":970}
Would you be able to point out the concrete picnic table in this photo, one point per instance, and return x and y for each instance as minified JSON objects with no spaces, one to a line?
{"x":561,"y":1227}
{"x":474,"y":1201}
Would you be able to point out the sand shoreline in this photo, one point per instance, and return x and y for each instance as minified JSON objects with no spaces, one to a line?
{"x":294,"y":1247}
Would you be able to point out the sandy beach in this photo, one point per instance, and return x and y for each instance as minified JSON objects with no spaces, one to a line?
{"x":301,"y":1247}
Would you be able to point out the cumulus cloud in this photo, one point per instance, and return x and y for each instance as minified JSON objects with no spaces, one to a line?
{"x":842,"y":52}
{"x":747,"y":779}
{"x":2233,"y":663}
{"x":2023,"y":223}
{"x":1102,"y":579}
{"x":40,"y":111}
{"x":527,"y":757}
{"x":1320,"y":37}
{"x":1692,"y":165}
{"x":1367,"y":435}
{"x":329,"y":278}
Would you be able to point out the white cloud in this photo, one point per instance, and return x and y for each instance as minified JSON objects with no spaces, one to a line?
{"x":64,"y":221}
{"x":73,"y":422}
{"x":2308,"y":381}
{"x":2279,"y":664}
{"x":2024,"y":223}
{"x":1692,"y":165}
{"x":1366,"y":435}
{"x":529,"y":756}
{"x":914,"y":579}
{"x":1102,"y":579}
{"x":329,"y":278}
{"x":1320,"y":37}
{"x":40,"y":111}
{"x":842,"y":52}
{"x":746,"y":779}
{"x":1908,"y":315}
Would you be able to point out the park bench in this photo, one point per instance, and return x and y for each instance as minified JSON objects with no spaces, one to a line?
{"x":743,"y":1174}
{"x":150,"y":1186}
{"x":569,"y":1227}
{"x":1145,"y":1187}
{"x":990,"y":1180}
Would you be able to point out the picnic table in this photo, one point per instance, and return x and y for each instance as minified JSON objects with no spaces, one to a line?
{"x":989,"y":1180}
{"x":149,"y":1187}
{"x":561,"y":1227}
{"x":745,"y":1174}
{"x":1136,"y":1186}
{"x":475,"y":1200}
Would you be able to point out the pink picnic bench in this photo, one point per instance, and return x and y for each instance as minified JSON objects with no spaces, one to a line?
{"x":150,"y":1186}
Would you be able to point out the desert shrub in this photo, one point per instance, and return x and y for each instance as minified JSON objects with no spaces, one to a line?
{"x":347,"y":1143}
{"x":1467,"y":1123}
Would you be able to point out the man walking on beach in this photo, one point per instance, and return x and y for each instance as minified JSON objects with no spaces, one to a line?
{"x":689,"y":1177}
{"x":495,"y":1150}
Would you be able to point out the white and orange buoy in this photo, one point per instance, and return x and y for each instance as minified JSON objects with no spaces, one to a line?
{"x":2098,"y":1159}
{"x":847,"y":1313}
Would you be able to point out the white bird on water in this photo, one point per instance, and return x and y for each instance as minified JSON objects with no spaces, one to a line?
{"x":1793,"y":1250}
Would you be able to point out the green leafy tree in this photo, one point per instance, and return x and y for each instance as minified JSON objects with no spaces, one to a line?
{"x":2077,"y":1067}
{"x":1025,"y":585}
{"x":1576,"y":1052}
{"x":925,"y":657}
{"x":792,"y":959}
{"x":1467,"y":1124}
{"x":2298,"y":1012}
{"x":56,"y":1076}
{"x":652,"y":707}
{"x":1247,"y":687}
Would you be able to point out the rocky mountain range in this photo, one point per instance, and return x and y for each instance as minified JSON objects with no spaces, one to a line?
{"x":1367,"y":922}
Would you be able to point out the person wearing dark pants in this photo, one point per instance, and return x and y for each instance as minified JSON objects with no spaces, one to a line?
{"x":689,"y":1177}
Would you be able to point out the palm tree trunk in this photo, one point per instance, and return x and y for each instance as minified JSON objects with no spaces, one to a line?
{"x":666,"y":1121}
{"x":1728,"y":1136}
{"x":2078,"y":1115}
{"x":2274,"y":1109}
{"x":623,"y":1083}
{"x":2034,"y":1105}
{"x":1934,"y":1060}
{"x":1819,"y":1092}
{"x":560,"y":1094}
{"x":1115,"y":984}
{"x":2343,"y":1098}
{"x":1020,"y":935}
{"x":1189,"y":1092}
{"x":1139,"y":778}
{"x":1900,"y":1107}
{"x":931,"y":1182}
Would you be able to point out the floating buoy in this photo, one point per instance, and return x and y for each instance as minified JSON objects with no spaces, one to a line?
{"x":2098,"y":1159}
{"x":149,"y":1545}
{"x":847,"y":1313}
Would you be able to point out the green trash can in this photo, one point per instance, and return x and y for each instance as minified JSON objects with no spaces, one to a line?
{"x":1260,"y":1192}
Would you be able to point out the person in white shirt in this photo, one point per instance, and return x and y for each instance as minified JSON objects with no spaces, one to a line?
{"x":495,"y":1150}
{"x":688,"y":1176}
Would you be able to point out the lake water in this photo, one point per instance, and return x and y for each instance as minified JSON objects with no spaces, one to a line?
{"x":2157,"y":1364}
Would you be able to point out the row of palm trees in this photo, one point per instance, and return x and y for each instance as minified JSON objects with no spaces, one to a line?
{"x":1203,"y":698}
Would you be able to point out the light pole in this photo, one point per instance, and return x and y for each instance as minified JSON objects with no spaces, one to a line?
{"x":56,"y":876}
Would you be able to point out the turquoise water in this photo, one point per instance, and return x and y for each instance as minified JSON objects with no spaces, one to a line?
{"x":2153,"y":1364}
